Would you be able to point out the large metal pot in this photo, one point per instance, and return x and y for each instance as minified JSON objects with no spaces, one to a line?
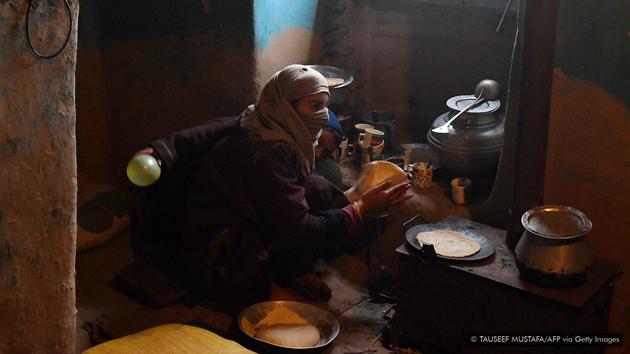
{"x":473,"y":145}
{"x":552,"y":251}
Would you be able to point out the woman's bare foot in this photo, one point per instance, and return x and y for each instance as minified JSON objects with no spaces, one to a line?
{"x":312,"y":287}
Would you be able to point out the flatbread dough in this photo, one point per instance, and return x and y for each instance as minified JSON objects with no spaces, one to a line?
{"x":290,"y":335}
{"x":449,"y":243}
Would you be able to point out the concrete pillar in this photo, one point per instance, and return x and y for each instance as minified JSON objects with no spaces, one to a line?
{"x":37,"y":179}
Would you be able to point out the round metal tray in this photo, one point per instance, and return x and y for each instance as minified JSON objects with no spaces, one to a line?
{"x":331,"y":72}
{"x":486,"y":247}
{"x":325,"y":321}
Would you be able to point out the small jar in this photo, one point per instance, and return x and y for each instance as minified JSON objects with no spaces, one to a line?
{"x":421,"y":175}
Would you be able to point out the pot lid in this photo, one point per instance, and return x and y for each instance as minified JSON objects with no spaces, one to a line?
{"x":458,"y":103}
{"x":556,"y":221}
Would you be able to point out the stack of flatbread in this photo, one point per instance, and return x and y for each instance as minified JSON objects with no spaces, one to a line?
{"x":290,"y":335}
{"x":449,"y":243}
{"x":334,"y":81}
{"x":284,"y":327}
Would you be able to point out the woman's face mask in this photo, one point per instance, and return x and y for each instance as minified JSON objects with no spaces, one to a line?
{"x":312,"y":109}
{"x":315,"y":122}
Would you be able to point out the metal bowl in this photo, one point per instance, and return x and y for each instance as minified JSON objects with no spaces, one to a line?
{"x":250,"y":319}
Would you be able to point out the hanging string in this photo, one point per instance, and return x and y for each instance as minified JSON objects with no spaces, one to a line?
{"x":65,"y":42}
{"x":505,"y":11}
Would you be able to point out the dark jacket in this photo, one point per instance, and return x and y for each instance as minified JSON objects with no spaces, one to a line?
{"x":231,"y":211}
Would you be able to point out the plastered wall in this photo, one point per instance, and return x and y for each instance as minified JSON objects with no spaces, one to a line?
{"x":588,"y":156}
{"x":285,"y":35}
{"x":148,"y":68}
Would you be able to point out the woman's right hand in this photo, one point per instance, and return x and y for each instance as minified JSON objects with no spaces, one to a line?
{"x":148,"y":151}
{"x":381,"y":197}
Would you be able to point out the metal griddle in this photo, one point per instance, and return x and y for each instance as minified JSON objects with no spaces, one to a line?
{"x":468,"y":228}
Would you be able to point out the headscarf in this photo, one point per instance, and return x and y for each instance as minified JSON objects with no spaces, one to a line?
{"x":274,"y":119}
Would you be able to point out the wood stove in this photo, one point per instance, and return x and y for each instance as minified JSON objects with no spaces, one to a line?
{"x":443,"y":303}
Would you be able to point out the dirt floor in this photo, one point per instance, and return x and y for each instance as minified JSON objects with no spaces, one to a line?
{"x":105,"y":313}
{"x":104,"y":250}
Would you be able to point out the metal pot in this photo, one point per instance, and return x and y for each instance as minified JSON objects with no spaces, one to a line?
{"x":552,"y":251}
{"x":473,"y":146}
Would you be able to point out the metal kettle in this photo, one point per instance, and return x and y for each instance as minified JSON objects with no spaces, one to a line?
{"x":553,"y":251}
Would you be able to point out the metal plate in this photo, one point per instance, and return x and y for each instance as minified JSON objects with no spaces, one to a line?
{"x":556,"y":222}
{"x":486,"y":247}
{"x":458,"y":103}
{"x":325,"y":322}
{"x":332,"y":72}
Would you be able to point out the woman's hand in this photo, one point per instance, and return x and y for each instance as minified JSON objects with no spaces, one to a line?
{"x":148,"y":151}
{"x":381,"y":197}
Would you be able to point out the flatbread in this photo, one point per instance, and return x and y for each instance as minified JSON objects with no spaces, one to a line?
{"x":334,"y":81}
{"x":290,"y":335}
{"x":449,"y":243}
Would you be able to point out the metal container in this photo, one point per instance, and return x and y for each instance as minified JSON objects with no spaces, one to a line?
{"x":251,"y":318}
{"x":553,"y":251}
{"x":473,"y":144}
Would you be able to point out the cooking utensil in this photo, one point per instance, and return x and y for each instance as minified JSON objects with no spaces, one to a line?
{"x":418,"y":215}
{"x":473,"y":146}
{"x":486,"y":90}
{"x":552,"y":251}
{"x":338,"y":93}
{"x":486,"y":247}
{"x":250,"y":319}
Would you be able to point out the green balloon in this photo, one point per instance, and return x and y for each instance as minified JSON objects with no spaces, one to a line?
{"x":143,"y":170}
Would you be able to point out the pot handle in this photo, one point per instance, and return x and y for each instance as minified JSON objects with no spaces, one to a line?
{"x":418,"y":215}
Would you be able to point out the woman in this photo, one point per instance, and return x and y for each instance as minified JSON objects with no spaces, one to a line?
{"x":255,"y":212}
